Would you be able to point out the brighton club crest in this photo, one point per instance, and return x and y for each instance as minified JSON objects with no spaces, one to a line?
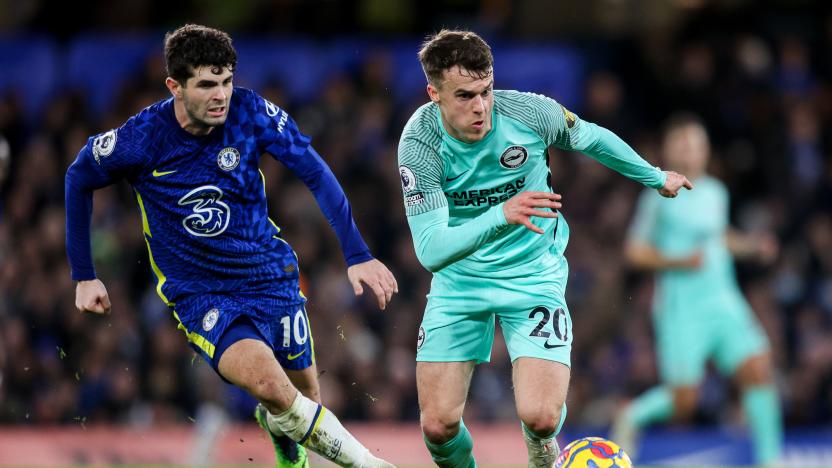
{"x":514,"y":157}
{"x":228,"y":158}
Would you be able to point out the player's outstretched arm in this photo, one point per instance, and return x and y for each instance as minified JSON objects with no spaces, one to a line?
{"x":673,"y":183}
{"x":438,"y":244}
{"x":644,"y":256}
{"x":377,"y":276}
{"x":83,"y":177}
{"x":91,"y":296}
{"x":762,"y":247}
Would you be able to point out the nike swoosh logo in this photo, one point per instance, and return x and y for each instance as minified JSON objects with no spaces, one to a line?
{"x":548,"y":346}
{"x":157,"y":173}
{"x":292,"y":357}
{"x":450,"y":179}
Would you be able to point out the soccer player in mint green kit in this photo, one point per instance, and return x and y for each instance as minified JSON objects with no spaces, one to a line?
{"x":484,"y":219}
{"x":699,"y":312}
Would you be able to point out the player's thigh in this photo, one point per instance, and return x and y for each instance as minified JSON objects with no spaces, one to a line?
{"x":535,"y":319}
{"x":251,"y":365}
{"x":683,"y":345}
{"x":540,"y":388}
{"x":458,"y":324}
{"x":741,"y":338}
{"x":443,"y":388}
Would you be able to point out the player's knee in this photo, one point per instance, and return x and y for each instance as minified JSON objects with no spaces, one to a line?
{"x":272,"y":393}
{"x":542,"y":423}
{"x":684,"y":404}
{"x":755,"y":371}
{"x":438,"y":430}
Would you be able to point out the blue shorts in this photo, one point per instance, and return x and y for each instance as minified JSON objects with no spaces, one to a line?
{"x":213,"y":322}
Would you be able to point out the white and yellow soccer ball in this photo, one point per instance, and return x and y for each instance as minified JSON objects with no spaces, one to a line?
{"x":593,"y":452}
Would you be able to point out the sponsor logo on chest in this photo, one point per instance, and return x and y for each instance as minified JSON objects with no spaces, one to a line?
{"x":487,"y":196}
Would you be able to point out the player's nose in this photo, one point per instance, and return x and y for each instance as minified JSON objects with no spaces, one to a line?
{"x":479,"y":104}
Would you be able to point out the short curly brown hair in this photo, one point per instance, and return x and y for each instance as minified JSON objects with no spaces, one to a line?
{"x":449,"y":48}
{"x":193,"y":46}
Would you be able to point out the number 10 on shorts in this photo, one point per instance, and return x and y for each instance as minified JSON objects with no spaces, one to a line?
{"x":296,"y":326}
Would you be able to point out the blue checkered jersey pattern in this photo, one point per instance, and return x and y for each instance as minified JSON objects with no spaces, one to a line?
{"x":202,"y":198}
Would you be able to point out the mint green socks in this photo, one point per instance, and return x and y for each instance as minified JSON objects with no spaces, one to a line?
{"x":765,"y":423}
{"x":455,"y":453}
{"x":656,"y":405}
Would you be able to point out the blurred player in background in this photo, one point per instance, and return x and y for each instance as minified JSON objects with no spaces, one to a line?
{"x":699,"y":312}
{"x":220,"y":262}
{"x":474,"y":170}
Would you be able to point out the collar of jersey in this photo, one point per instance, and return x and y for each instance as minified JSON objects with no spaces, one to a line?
{"x":170,"y":115}
{"x":463,"y":143}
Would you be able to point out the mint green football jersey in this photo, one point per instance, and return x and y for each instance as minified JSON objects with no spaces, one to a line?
{"x":438,"y":170}
{"x":696,"y":220}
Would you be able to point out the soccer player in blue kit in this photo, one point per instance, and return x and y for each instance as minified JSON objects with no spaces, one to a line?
{"x":220,"y":262}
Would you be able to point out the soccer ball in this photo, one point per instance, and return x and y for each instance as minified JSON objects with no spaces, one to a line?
{"x":593,"y":452}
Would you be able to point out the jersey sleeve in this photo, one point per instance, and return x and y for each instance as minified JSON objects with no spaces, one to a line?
{"x":105,"y":159}
{"x":420,"y":169}
{"x":439,"y":245}
{"x":114,"y":154}
{"x":436,"y":243}
{"x":278,"y":135}
{"x":542,"y":114}
{"x":563,"y":129}
{"x":643,"y":227}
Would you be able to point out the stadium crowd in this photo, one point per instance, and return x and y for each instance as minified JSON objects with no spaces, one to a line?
{"x":767,"y":99}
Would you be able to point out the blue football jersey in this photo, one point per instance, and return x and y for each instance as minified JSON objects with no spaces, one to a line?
{"x":202,"y":198}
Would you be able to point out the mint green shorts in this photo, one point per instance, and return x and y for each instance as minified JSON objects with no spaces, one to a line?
{"x":458,"y":324}
{"x":721,"y":327}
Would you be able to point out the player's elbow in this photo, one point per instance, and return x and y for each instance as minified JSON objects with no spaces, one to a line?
{"x":636,"y":256}
{"x":71,"y":177}
{"x":432,"y":263}
{"x":429,"y":256}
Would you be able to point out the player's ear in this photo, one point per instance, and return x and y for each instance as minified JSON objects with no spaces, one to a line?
{"x":174,"y":87}
{"x":433,"y":93}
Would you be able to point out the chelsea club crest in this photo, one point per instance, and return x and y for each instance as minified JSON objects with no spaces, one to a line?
{"x":228,"y":158}
{"x":210,"y":319}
